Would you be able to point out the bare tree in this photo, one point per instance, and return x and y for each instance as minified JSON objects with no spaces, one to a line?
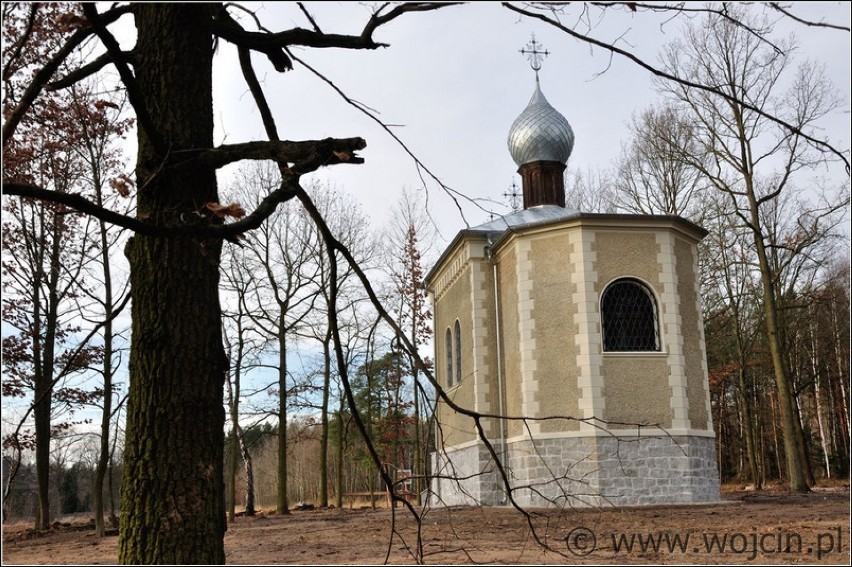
{"x":244,"y":348}
{"x":651,"y":177}
{"x":737,"y":142}
{"x":733,"y":309}
{"x":279,"y":263}
{"x":803,"y":235}
{"x":590,"y":191}
{"x":351,"y":227}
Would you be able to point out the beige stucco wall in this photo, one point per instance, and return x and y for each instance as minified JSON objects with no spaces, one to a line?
{"x":621,"y":254}
{"x":453,"y":303}
{"x":553,"y":312}
{"x":636,"y":388}
{"x":691,"y":329}
{"x":455,"y":427}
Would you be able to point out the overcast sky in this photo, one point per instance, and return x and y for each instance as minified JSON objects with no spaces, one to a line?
{"x":453,"y":81}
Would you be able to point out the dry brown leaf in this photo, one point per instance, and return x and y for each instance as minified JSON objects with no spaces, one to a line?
{"x":122,"y":184}
{"x":222,"y":211}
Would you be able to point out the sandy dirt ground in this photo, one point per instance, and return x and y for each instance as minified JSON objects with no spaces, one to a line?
{"x":766,"y":527}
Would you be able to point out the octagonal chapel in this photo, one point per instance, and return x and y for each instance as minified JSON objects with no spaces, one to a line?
{"x":579,"y":338}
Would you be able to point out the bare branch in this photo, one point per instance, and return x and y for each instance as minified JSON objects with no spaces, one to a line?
{"x":250,"y":13}
{"x":257,"y":92}
{"x":309,"y":17}
{"x":83,"y":72}
{"x":308,"y":155}
{"x":453,"y":193}
{"x":676,"y":9}
{"x":778,"y":7}
{"x":225,"y":27}
{"x":379,"y":20}
{"x":201,"y":226}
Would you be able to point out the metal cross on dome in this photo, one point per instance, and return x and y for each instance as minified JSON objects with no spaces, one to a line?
{"x":534,"y":54}
{"x":514,"y":197}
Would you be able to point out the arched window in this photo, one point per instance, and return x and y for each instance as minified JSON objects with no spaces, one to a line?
{"x":458,"y":352}
{"x":448,"y":351}
{"x":629,"y":313}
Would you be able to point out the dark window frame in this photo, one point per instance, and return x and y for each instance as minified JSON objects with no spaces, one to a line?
{"x":458,"y":356}
{"x":448,"y":347}
{"x":630,"y":317}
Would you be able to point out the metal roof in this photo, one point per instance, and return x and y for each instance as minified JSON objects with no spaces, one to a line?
{"x":527,"y":217}
{"x":540,"y":133}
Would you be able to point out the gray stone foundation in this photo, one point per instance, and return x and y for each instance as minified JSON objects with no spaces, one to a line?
{"x":465,"y":477}
{"x":582,"y":471}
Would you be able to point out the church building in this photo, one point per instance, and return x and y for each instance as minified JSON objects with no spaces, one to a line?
{"x":578,"y":338}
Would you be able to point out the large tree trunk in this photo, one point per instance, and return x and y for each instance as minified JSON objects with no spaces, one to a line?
{"x":172,"y":506}
{"x":795,"y":467}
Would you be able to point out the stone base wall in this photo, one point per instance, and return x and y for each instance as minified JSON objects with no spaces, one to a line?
{"x":465,"y":476}
{"x":582,"y":471}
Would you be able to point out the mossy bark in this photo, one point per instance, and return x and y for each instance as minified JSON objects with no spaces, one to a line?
{"x":172,"y":504}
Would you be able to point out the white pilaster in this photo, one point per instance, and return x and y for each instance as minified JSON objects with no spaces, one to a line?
{"x":701,"y":344}
{"x":482,"y":311}
{"x":526,"y":334}
{"x":671,"y":332}
{"x":587,"y":325}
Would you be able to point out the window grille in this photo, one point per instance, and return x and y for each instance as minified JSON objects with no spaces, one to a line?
{"x":629,"y":313}
{"x":448,"y":352}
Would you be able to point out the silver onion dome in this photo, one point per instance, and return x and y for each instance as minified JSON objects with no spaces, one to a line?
{"x":540,"y":133}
